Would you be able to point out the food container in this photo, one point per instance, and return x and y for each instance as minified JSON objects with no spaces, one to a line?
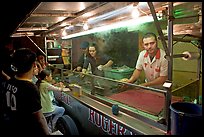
{"x":118,"y":73}
{"x":76,"y":90}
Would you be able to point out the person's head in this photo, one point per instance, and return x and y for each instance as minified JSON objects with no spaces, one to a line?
{"x":37,"y":68}
{"x":8,"y":45}
{"x":23,"y":60}
{"x":41,"y":59}
{"x":93,"y":49}
{"x":150,"y":43}
{"x":45,"y":75}
{"x":84,"y":46}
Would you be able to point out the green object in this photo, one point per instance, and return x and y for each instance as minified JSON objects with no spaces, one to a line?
{"x":118,"y":73}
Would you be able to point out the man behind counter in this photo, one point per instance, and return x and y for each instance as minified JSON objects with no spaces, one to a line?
{"x":152,"y":61}
{"x":84,"y":46}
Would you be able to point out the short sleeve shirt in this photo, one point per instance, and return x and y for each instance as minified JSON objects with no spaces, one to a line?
{"x":22,"y":100}
{"x":155,"y":68}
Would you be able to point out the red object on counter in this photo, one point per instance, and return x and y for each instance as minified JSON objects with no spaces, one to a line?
{"x":144,"y":100}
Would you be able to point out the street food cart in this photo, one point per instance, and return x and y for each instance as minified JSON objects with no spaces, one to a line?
{"x":105,"y":105}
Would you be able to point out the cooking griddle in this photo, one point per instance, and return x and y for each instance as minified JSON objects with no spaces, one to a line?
{"x":144,"y":100}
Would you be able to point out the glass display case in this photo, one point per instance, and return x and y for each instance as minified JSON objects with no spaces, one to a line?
{"x":145,"y":104}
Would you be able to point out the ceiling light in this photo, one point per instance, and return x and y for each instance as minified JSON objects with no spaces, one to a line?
{"x":131,"y":22}
{"x":135,"y":13}
{"x":85,"y":27}
{"x":111,"y":14}
{"x":64,"y":33}
{"x":32,"y":29}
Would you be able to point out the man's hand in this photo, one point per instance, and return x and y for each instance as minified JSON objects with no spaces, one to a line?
{"x":78,"y":69}
{"x":100,"y":67}
{"x":82,"y":75}
{"x":66,"y":89}
{"x":123,"y":80}
{"x":124,"y":86}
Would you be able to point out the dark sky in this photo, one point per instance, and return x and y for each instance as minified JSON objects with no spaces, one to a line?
{"x":12,"y":14}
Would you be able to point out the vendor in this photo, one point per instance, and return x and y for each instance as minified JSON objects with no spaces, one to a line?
{"x":97,"y":61}
{"x":152,"y":61}
{"x":84,"y":47}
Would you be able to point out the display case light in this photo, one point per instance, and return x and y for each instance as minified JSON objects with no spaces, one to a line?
{"x":85,"y":26}
{"x":135,"y":13}
{"x":127,"y":23}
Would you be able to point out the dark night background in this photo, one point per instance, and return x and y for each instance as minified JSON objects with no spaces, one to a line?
{"x":12,"y":14}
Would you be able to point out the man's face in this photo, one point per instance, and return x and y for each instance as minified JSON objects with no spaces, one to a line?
{"x":150,"y":45}
{"x":92,"y":51}
{"x":84,"y":50}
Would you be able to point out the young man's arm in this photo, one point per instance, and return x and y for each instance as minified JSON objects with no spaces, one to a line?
{"x":134,"y":76}
{"x":41,"y":121}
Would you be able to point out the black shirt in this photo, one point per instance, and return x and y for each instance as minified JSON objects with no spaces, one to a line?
{"x":101,"y":59}
{"x":22,"y":99}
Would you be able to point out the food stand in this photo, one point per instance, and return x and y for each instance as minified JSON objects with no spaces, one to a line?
{"x":142,"y":110}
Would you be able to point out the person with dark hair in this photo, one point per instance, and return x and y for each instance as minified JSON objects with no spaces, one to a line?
{"x":152,"y":61}
{"x":23,"y":106}
{"x":46,"y":90}
{"x":84,"y":47}
{"x":97,"y":61}
{"x":36,"y":71}
{"x":41,"y":60}
{"x":6,"y":50}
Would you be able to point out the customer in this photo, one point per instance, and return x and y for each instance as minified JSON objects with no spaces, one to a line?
{"x":41,"y":60}
{"x":6,"y":50}
{"x":36,"y":71}
{"x":97,"y":61}
{"x":84,"y":47}
{"x":23,"y":98}
{"x":46,"y":100}
{"x":152,"y":61}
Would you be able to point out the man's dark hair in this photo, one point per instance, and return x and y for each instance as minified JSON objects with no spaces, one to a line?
{"x":22,"y":60}
{"x":42,"y":76}
{"x":149,"y":34}
{"x":93,"y":44}
{"x":84,"y":45}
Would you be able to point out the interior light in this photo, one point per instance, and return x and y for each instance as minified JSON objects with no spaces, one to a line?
{"x":64,"y":33}
{"x":69,"y":27}
{"x":86,"y":15}
{"x":81,"y":6}
{"x":142,"y":4}
{"x":60,"y":19}
{"x":135,"y":13}
{"x":111,"y":14}
{"x":63,"y":24}
{"x":85,"y":27}
{"x":131,"y":22}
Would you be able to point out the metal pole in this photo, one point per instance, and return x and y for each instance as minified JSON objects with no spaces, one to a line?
{"x":46,"y":49}
{"x":180,"y":55}
{"x":199,"y":73}
{"x":161,"y":35}
{"x":35,"y":44}
{"x":169,"y":52}
{"x":170,"y":62}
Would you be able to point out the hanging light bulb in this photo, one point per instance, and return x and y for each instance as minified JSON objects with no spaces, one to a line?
{"x":64,"y":33}
{"x":85,"y":27}
{"x":135,"y":13}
